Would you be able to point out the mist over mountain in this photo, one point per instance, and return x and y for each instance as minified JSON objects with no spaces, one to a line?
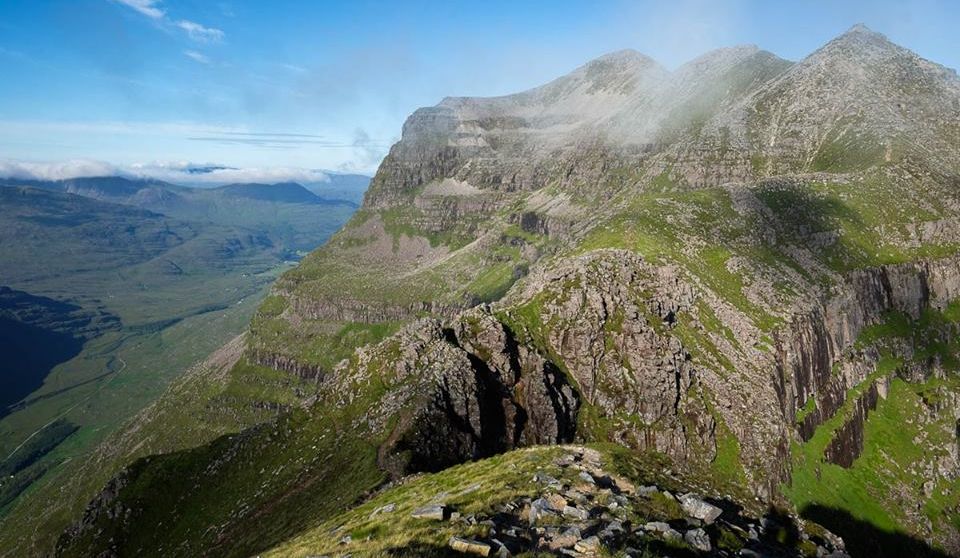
{"x":633,"y":311}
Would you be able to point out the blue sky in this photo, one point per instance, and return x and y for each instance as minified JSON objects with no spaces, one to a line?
{"x":324,"y":84}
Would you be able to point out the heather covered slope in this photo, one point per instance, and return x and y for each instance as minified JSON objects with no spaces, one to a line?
{"x":752,"y":276}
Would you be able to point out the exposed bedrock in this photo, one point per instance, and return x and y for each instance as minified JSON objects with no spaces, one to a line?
{"x":816,"y":342}
{"x":607,"y":317}
{"x":476,"y":392}
{"x":847,"y":443}
{"x":350,"y":310}
{"x":818,"y":356}
{"x":287,"y":364}
{"x":481,"y":388}
{"x":606,"y":320}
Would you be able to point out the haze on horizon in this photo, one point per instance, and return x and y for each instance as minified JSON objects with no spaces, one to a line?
{"x":155,"y":86}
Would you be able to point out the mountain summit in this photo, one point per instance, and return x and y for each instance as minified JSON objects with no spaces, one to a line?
{"x":743,"y":275}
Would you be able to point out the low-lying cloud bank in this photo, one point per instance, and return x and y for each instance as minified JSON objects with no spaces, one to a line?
{"x":181,"y":172}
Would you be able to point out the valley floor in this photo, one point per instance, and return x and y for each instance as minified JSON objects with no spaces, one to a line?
{"x":54,"y":430}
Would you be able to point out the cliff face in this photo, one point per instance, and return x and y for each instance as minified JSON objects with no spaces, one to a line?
{"x":746,"y":267}
{"x":814,"y":353}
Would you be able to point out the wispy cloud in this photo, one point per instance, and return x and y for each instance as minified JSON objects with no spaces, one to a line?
{"x":294,"y":68}
{"x":12,"y":53}
{"x":198,"y":32}
{"x":149,"y":8}
{"x":153,"y":9}
{"x":183,"y":172}
{"x":196,"y":56}
{"x":237,"y":146}
{"x":273,"y":134}
{"x":369,"y":151}
{"x":270,"y":140}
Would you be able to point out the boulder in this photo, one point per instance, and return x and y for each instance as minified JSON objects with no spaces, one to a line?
{"x":567,"y":539}
{"x":556,"y":502}
{"x":576,"y":513}
{"x":589,"y":545}
{"x":699,"y":509}
{"x":698,"y":538}
{"x":383,"y":509}
{"x":657,"y":526}
{"x":436,"y":511}
{"x":646,"y":491}
{"x":469,"y":546}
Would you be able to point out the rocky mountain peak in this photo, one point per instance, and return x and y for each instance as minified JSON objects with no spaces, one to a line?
{"x":861,"y":45}
{"x":861,"y":28}
{"x":705,"y":69}
{"x":723,"y":55}
{"x":622,"y":60}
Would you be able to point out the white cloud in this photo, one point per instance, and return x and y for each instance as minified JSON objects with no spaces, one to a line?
{"x":180,"y":172}
{"x":55,"y":171}
{"x":198,"y":32}
{"x":153,"y":10}
{"x":196,"y":56}
{"x":149,"y":8}
{"x":183,"y":172}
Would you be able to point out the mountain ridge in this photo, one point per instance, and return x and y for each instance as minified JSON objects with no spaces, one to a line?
{"x":753,"y":288}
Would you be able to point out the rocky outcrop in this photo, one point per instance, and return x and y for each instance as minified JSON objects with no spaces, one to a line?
{"x":287,"y":364}
{"x":815,"y":351}
{"x":464,"y":392}
{"x":473,"y":386}
{"x":348,"y":310}
{"x":580,"y":508}
{"x":847,"y":443}
{"x":606,"y":316}
{"x":105,"y":506}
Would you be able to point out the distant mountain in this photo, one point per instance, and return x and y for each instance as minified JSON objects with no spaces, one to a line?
{"x":288,"y":211}
{"x":286,"y":192}
{"x":110,"y":288}
{"x":207,"y":169}
{"x":144,"y":192}
{"x":341,"y":186}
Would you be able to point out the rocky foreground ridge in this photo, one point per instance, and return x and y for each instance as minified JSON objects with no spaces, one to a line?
{"x":746,"y":267}
{"x":568,"y":501}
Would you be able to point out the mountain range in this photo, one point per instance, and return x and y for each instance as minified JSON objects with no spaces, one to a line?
{"x":728,"y":292}
{"x":112,"y":287}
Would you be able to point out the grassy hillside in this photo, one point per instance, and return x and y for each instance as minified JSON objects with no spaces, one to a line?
{"x":146,"y":296}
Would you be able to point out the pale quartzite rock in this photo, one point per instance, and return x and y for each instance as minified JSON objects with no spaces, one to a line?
{"x":469,"y":546}
{"x":698,"y":508}
{"x":430,"y":512}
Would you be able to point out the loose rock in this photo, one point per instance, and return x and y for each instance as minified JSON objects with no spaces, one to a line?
{"x":576,"y":513}
{"x":588,"y":545}
{"x":437,"y":511}
{"x":698,"y":538}
{"x":469,"y":546}
{"x":695,"y":507}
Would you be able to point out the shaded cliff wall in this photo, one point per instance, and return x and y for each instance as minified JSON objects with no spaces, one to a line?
{"x":817,"y":356}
